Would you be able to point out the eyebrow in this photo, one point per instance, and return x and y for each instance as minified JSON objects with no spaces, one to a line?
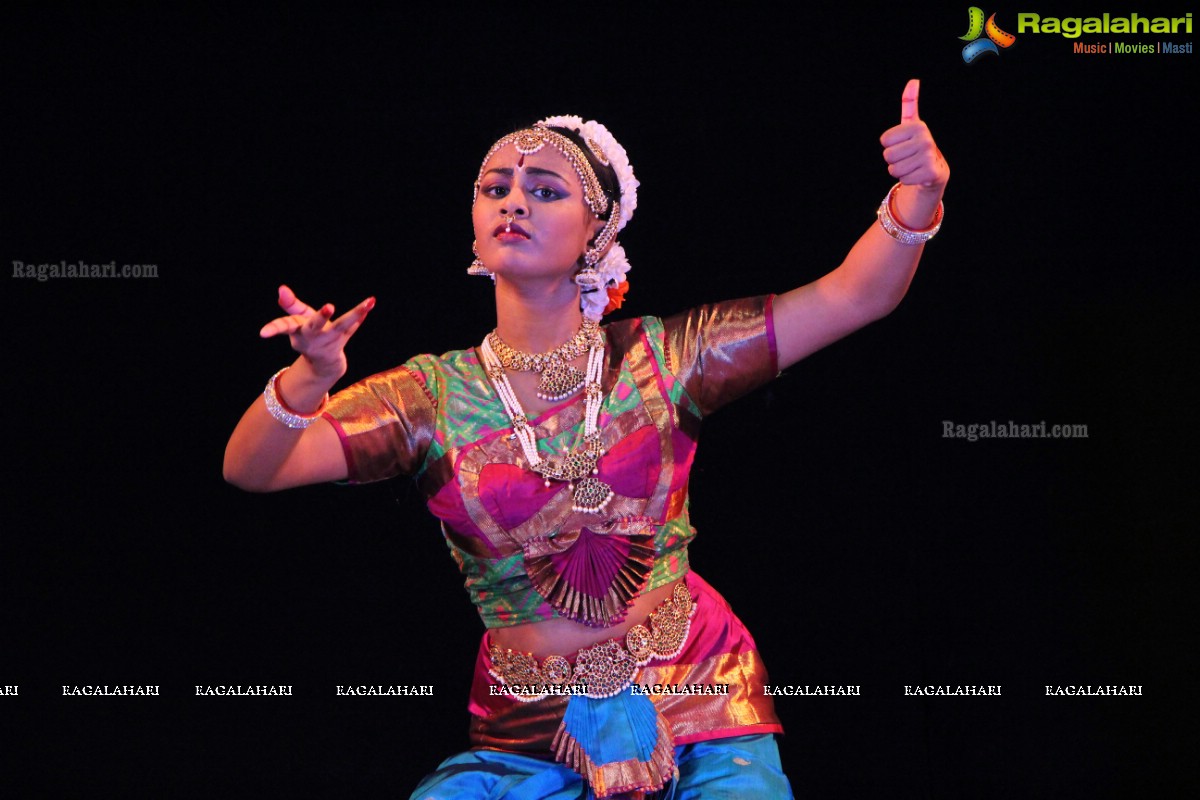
{"x":531,"y":170}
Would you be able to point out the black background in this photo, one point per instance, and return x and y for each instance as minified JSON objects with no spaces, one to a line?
{"x":336,"y":153}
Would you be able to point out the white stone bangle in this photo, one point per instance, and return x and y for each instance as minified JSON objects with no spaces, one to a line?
{"x":897,"y":231}
{"x":280,"y":410}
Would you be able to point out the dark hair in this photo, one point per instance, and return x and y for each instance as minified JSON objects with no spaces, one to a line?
{"x":606,"y":174}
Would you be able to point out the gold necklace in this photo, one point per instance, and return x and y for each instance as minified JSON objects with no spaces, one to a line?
{"x":578,"y":467}
{"x":559,"y":380}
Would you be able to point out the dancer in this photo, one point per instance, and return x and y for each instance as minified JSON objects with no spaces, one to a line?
{"x":556,"y":455}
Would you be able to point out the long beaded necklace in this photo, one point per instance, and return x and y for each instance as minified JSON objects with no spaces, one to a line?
{"x":559,"y":380}
{"x":577,"y":467}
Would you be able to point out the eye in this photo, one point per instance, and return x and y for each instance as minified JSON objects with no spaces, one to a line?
{"x":546,"y":193}
{"x":496,"y":190}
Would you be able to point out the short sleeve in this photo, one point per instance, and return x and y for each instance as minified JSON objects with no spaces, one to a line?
{"x":722,"y":351}
{"x":385,"y":422}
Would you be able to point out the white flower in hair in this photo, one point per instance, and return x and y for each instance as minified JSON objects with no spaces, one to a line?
{"x":596,"y":136}
{"x":613,"y":269}
{"x":614,"y":266}
{"x":593,"y":304}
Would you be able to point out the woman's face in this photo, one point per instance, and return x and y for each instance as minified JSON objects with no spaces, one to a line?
{"x":551,"y":224}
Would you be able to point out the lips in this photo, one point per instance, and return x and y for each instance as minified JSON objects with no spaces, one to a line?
{"x":510,"y":232}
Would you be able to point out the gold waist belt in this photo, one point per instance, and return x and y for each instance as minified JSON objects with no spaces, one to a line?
{"x":600,"y":670}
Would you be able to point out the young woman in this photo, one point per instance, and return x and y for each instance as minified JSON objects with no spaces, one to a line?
{"x":556,"y":454}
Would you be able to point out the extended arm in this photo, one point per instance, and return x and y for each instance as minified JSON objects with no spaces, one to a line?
{"x":264,"y":454}
{"x":875,"y":275}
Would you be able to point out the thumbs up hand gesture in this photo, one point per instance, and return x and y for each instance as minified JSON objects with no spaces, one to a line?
{"x":913,"y":157}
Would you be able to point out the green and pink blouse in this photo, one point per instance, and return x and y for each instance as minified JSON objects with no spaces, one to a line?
{"x":525,"y":553}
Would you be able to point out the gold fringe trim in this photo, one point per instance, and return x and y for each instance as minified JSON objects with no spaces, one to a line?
{"x":621,"y":776}
{"x":625,"y":585}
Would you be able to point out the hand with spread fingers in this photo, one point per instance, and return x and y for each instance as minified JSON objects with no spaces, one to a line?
{"x":277,"y":444}
{"x":315,"y":334}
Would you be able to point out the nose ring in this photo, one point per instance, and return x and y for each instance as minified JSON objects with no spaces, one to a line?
{"x":509,"y":219}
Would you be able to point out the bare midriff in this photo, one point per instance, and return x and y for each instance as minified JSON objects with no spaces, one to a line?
{"x":564,"y":637}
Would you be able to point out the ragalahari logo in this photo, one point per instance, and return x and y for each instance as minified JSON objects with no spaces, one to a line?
{"x":996,"y":38}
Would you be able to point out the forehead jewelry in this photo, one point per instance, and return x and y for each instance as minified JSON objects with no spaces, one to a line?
{"x":532,"y":140}
{"x":605,"y":265}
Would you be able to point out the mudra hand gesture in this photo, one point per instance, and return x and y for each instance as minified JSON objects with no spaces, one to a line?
{"x":913,"y":157}
{"x":314,"y":333}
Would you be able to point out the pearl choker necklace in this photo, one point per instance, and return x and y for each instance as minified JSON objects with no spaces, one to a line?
{"x":578,"y":466}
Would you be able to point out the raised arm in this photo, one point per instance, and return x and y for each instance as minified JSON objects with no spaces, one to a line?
{"x":265,"y":454}
{"x":875,"y":274}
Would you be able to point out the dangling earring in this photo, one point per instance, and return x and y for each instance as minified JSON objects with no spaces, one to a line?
{"x":588,"y":279}
{"x":477,"y":266}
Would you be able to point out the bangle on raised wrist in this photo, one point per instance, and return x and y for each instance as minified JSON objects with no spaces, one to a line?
{"x":898,"y":231}
{"x":285,"y":413}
